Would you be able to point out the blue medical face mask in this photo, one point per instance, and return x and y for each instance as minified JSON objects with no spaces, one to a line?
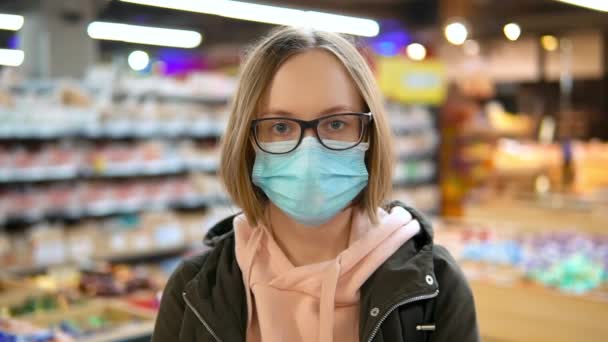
{"x":311,"y":184}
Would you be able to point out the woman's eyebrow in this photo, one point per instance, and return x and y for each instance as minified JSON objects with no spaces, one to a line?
{"x":277,"y":112}
{"x":336,"y":109}
{"x":284,"y":113}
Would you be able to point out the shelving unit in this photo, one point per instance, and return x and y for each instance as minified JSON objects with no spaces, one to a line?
{"x":156,"y":168}
{"x":417,"y":144}
{"x":115,"y":130}
{"x":125,"y":182}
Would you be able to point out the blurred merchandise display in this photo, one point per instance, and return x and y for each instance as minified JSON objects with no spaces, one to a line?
{"x":527,"y":277}
{"x":416,"y":146}
{"x":98,"y":280}
{"x":124,"y":237}
{"x":568,"y":261}
{"x":71,"y":160}
{"x":574,"y":167}
{"x":72,"y":111}
{"x":100,"y":198}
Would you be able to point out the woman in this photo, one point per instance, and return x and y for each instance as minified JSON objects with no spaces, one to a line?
{"x":308,"y":157}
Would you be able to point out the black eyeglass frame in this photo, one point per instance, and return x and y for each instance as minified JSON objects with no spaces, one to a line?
{"x":367,"y":119}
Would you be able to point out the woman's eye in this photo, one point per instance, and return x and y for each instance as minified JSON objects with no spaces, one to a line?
{"x":280,"y":128}
{"x":336,"y":124}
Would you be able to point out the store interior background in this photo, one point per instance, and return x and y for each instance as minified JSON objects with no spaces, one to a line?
{"x":109,"y":152}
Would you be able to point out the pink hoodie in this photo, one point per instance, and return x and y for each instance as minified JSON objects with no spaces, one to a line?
{"x":316,"y":302}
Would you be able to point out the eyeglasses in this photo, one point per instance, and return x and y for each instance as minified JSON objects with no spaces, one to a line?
{"x":336,"y":132}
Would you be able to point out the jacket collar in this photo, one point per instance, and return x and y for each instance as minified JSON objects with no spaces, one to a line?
{"x":218,"y":293}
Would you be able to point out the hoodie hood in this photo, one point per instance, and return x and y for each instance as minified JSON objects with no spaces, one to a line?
{"x":322,"y":298}
{"x":224,"y":228}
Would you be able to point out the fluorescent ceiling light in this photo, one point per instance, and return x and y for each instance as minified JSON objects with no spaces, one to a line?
{"x":11,"y":22}
{"x":11,"y":57}
{"x":272,"y":15}
{"x":598,"y":5}
{"x":144,"y":34}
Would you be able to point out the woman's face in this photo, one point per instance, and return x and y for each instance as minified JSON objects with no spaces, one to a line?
{"x":310,"y":85}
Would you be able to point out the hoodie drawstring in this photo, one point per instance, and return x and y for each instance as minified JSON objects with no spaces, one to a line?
{"x":327,"y":301}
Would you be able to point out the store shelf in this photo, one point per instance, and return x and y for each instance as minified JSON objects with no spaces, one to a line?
{"x":521,"y":313}
{"x":174,"y":98}
{"x":31,"y":269}
{"x":115,"y":258}
{"x":109,"y":209}
{"x":40,"y":87}
{"x":412,"y":182}
{"x":126,"y":333}
{"x":130,"y":257}
{"x":407,"y":129}
{"x":418,"y":155}
{"x":115,"y":130}
{"x":542,"y":213}
{"x":156,"y":168}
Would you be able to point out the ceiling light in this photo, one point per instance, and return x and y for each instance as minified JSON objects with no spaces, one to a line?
{"x":598,"y":5}
{"x":11,"y":57}
{"x":272,"y":15}
{"x":512,"y":31}
{"x":456,"y":33}
{"x":11,"y":22}
{"x":549,"y":43}
{"x":138,"y":60}
{"x":144,"y":34}
{"x":416,"y":51}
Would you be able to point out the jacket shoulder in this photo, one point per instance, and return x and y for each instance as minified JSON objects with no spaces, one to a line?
{"x":187,"y":270}
{"x":169,"y":318}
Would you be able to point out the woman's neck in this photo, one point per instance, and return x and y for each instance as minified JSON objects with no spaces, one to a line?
{"x":304,"y":245}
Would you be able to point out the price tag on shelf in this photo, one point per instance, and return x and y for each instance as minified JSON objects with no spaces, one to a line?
{"x":81,"y":248}
{"x":169,"y":235}
{"x":141,"y":241}
{"x":118,"y":242}
{"x":49,"y":252}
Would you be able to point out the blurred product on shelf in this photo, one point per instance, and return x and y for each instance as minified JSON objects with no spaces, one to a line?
{"x":414,"y":172}
{"x":424,"y":198}
{"x":122,"y":238}
{"x":204,"y":86}
{"x":416,"y":145}
{"x":509,"y":124}
{"x":73,"y":110}
{"x":94,"y":320}
{"x":99,"y":198}
{"x":14,"y":330}
{"x":404,"y":119}
{"x":66,"y":302}
{"x":72,"y":160}
{"x":575,"y":167}
{"x":569,"y":261}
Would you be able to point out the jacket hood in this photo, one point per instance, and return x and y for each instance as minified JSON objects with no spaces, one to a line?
{"x":224,"y":228}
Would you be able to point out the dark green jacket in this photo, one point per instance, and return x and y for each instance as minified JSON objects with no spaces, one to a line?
{"x":418,"y":294}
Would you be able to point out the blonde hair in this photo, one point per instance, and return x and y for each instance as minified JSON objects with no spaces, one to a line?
{"x":262,"y":62}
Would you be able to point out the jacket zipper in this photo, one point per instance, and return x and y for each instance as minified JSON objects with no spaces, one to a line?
{"x":403,"y":302}
{"x":200,"y":318}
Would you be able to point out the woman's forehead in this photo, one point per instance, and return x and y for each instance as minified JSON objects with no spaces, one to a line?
{"x":309,"y":84}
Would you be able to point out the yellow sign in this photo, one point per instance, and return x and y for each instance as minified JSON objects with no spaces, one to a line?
{"x":412,"y":82}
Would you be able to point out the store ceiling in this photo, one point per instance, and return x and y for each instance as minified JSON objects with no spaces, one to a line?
{"x":485,"y":16}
